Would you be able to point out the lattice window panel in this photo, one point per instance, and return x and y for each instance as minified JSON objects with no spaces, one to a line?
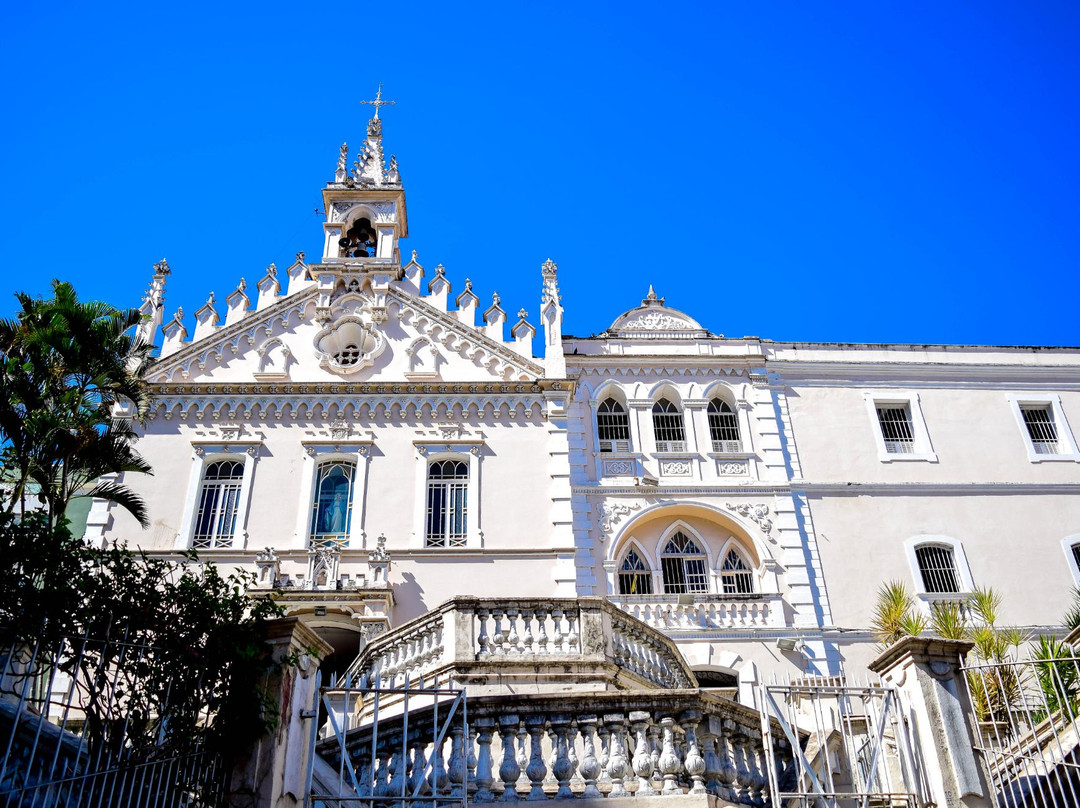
{"x":634,"y":576}
{"x":723,"y":427}
{"x":896,"y":428}
{"x":937,"y":566}
{"x":447,"y":504}
{"x":683,"y":566}
{"x":1041,"y":428}
{"x":735,"y":577}
{"x":612,"y":426}
{"x":219,"y":502}
{"x":668,"y":427}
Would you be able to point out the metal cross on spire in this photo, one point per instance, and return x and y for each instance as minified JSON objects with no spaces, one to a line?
{"x":378,"y":102}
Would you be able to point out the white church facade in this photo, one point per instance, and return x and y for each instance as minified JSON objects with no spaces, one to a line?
{"x":373,"y":438}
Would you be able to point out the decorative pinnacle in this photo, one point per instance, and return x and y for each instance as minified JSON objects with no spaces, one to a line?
{"x":272,"y":270}
{"x":241,"y":286}
{"x":378,"y":102}
{"x":651,"y":299}
{"x":440,"y":270}
{"x":468,"y":285}
{"x":210,"y":300}
{"x":495,"y":299}
{"x":162,"y":267}
{"x":522,"y":314}
{"x":549,"y":268}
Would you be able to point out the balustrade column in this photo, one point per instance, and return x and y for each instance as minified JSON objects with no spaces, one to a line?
{"x":694,"y":762}
{"x":482,"y":637}
{"x":497,"y":636}
{"x":669,"y":761}
{"x":536,"y":768}
{"x":509,"y":771}
{"x":541,"y":631}
{"x":654,"y":751}
{"x":616,"y":765}
{"x":484,"y":728}
{"x":397,"y":771}
{"x":512,"y":637}
{"x":590,"y":766}
{"x":417,"y":783}
{"x":557,"y":634}
{"x":440,"y":778}
{"x":642,"y":762}
{"x":527,"y":635}
{"x":743,"y":777}
{"x":712,"y":761}
{"x":563,"y":768}
{"x":605,"y":752}
{"x":761,"y":772}
{"x":456,"y":765}
{"x":470,"y":757}
{"x":728,"y":771}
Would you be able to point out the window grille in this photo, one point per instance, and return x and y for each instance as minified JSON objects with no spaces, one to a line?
{"x":1041,"y":428}
{"x":723,"y":427}
{"x":634,"y":576}
{"x":447,"y":504}
{"x":219,"y":501}
{"x":348,"y":356}
{"x":683,"y":566}
{"x":736,"y":577}
{"x":896,"y":429}
{"x":668,"y":427}
{"x":331,"y":511}
{"x":938,"y":569}
{"x":612,"y":426}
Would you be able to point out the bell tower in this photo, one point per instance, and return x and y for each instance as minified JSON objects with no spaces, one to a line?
{"x":365,"y":207}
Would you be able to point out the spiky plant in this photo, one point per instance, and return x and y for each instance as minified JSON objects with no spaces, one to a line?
{"x":1072,"y":615}
{"x":894,"y":616}
{"x":947,"y":619}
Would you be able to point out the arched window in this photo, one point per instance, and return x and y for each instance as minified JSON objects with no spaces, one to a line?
{"x":219,"y":500}
{"x":634,"y":576}
{"x":683,"y":565}
{"x":723,"y":427}
{"x":937,"y":566}
{"x":668,"y":427}
{"x":735,"y":576}
{"x":331,"y":512}
{"x":447,"y":504}
{"x":612,"y":426}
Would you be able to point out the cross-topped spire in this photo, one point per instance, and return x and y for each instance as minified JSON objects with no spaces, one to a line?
{"x":378,"y":102}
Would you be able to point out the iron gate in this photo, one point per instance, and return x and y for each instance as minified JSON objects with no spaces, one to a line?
{"x":851,"y":742}
{"x":1028,"y":729}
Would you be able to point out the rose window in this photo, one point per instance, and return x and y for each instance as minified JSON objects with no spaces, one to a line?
{"x":348,"y":345}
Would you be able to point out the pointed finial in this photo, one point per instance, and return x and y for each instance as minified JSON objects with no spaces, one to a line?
{"x":162,"y":267}
{"x":378,"y":102}
{"x":495,"y":299}
{"x":272,"y":270}
{"x":440,"y":270}
{"x":651,"y":299}
{"x":179,"y":314}
{"x":522,"y":314}
{"x":210,"y":300}
{"x":549,"y":268}
{"x":468,"y":285}
{"x":414,"y":255}
{"x":300,"y":256}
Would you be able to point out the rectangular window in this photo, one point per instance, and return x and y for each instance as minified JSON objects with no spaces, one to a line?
{"x":1039,"y":420}
{"x":447,"y":504}
{"x":896,"y":428}
{"x":684,"y":575}
{"x":219,"y":502}
{"x":938,"y":569}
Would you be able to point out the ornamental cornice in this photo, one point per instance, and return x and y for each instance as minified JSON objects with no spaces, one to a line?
{"x":230,"y":336}
{"x":923,"y":374}
{"x":662,"y":366}
{"x":472,"y":338}
{"x":174,"y":389}
{"x":750,"y":490}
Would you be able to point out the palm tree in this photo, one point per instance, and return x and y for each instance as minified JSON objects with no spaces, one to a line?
{"x":66,"y":366}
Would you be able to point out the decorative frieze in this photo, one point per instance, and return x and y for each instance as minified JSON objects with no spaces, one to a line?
{"x":676,"y":467}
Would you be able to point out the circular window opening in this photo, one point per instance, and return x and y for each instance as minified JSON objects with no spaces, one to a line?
{"x":347,"y":356}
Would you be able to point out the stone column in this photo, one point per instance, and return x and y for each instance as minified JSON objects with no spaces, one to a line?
{"x":272,"y":773}
{"x":934,"y":699}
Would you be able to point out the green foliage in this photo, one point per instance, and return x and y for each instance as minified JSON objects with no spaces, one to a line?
{"x":1058,"y":675}
{"x":947,"y":620}
{"x":894,"y":614}
{"x":203,"y":636}
{"x":64,"y":365}
{"x":1072,"y":614}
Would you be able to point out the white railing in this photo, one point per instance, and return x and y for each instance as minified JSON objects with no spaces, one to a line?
{"x":667,"y":614}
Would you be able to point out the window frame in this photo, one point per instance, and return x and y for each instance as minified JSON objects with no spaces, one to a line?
{"x":960,"y":562}
{"x":724,"y":446}
{"x":453,"y":488}
{"x":204,"y":454}
{"x":600,"y":441}
{"x":1067,"y":545}
{"x":922,"y":448}
{"x":646,"y":573}
{"x":731,"y":549}
{"x":467,"y":451}
{"x":673,"y":446}
{"x":314,"y":540}
{"x":1067,"y":448}
{"x":316,"y":454}
{"x":218,"y":539}
{"x":702,"y":555}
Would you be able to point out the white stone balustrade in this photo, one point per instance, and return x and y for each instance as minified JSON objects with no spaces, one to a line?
{"x":607,"y":745}
{"x":667,"y":614}
{"x":504,"y":645}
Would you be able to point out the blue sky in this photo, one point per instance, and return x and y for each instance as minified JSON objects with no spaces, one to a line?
{"x":894,"y":172}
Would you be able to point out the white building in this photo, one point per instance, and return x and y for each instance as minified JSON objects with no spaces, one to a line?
{"x":747,"y":497}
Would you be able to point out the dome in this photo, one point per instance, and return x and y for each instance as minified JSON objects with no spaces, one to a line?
{"x":653,"y":320}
